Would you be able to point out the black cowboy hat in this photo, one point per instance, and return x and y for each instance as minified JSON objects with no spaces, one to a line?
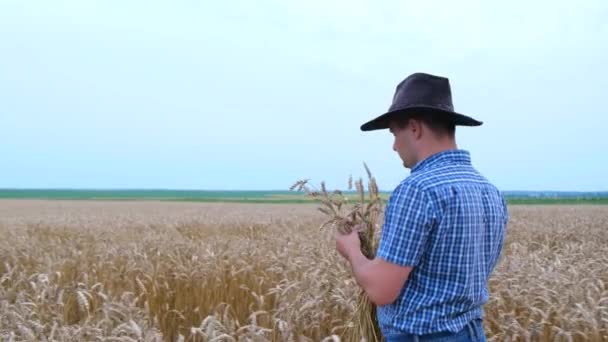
{"x":421,"y":93}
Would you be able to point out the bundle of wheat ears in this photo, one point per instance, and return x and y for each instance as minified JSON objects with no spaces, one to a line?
{"x":344,"y":214}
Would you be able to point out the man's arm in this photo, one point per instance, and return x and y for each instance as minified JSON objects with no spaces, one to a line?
{"x":381,"y":280}
{"x":408,"y":219}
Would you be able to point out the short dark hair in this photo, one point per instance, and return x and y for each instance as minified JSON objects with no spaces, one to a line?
{"x":437,"y":122}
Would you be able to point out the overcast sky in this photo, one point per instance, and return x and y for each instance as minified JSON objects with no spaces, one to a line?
{"x":257,"y":94}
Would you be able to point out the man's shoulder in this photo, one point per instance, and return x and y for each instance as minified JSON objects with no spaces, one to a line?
{"x":428,"y":180}
{"x":412,"y":183}
{"x":446,"y":177}
{"x":413,"y":188}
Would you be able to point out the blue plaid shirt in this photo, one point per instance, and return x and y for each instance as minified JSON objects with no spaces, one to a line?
{"x":448,"y":222}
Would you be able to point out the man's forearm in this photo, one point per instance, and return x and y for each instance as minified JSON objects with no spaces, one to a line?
{"x":362,"y":269}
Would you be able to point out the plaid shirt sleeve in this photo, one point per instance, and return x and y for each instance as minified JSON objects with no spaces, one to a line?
{"x":408,"y":220}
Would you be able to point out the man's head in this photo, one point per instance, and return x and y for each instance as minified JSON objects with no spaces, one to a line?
{"x":419,"y":135}
{"x":422,"y":118}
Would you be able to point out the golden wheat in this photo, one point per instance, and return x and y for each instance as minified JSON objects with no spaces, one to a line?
{"x":152,"y":271}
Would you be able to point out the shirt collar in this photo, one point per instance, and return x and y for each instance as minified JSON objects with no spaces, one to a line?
{"x":459,"y":157}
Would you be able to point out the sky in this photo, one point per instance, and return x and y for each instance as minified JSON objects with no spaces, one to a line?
{"x":189,"y":94}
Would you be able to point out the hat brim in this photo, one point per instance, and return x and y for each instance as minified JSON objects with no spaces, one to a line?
{"x":383,"y":121}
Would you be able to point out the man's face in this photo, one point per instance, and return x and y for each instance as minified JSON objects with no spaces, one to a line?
{"x":403,"y":144}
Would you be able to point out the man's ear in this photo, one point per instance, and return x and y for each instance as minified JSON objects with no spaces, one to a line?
{"x":416,"y":127}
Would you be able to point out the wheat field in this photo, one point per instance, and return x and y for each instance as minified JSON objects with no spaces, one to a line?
{"x":164,"y":271}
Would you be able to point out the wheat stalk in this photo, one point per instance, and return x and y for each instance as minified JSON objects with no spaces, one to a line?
{"x":344,"y":218}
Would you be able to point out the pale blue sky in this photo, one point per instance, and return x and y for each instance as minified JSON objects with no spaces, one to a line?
{"x":257,"y":94}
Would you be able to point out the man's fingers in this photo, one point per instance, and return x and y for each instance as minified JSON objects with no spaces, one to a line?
{"x":342,"y":230}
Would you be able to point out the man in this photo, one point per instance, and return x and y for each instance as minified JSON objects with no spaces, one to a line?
{"x":444,"y":225}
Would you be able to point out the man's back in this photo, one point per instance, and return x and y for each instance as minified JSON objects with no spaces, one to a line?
{"x":448,"y":222}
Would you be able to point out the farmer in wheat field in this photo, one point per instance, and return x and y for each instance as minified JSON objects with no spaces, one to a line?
{"x":444,"y":225}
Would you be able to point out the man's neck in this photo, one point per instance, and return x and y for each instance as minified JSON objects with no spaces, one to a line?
{"x":436,"y":147}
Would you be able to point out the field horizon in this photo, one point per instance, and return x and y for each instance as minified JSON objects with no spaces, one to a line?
{"x":268,"y":196}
